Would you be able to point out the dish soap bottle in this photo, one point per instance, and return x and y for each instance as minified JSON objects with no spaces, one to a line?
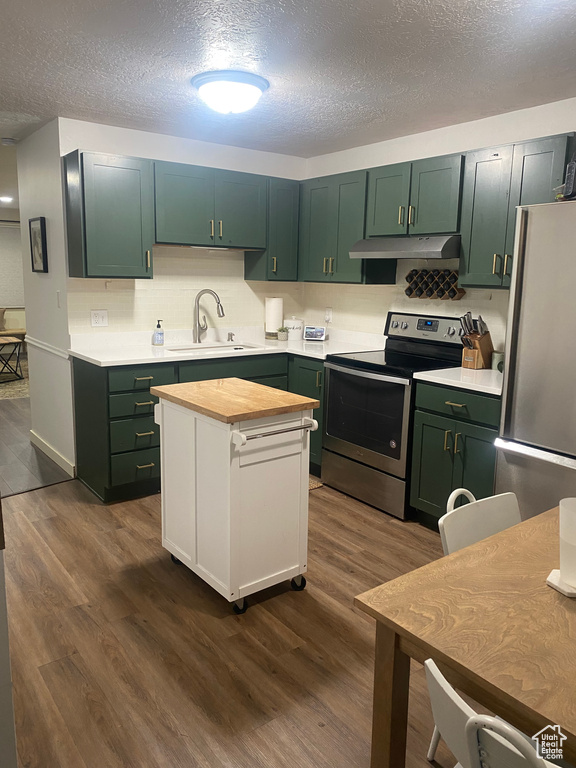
{"x":158,"y":335}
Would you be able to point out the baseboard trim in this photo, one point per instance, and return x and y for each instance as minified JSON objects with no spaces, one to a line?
{"x":52,"y":453}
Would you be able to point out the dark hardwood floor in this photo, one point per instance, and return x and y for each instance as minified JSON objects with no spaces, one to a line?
{"x":23,"y":467}
{"x":121,"y":658}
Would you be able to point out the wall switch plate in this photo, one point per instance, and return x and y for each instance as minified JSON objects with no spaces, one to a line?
{"x":328,"y":315}
{"x":99,"y":317}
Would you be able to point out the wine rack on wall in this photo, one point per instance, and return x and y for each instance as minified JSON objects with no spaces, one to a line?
{"x":434,"y":284}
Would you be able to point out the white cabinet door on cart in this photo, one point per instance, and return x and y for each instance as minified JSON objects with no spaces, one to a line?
{"x":235,"y":495}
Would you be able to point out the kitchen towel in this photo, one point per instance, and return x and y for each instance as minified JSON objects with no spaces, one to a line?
{"x":274,"y":316}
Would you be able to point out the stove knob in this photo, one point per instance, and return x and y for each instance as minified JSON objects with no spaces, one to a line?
{"x":461,"y":332}
{"x":451,"y":331}
{"x":404,"y":326}
{"x":395,"y":323}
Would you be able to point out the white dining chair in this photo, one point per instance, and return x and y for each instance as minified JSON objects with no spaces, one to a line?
{"x":465,"y":525}
{"x":477,"y":741}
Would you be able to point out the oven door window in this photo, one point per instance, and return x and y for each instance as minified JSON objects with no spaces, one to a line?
{"x":366,"y":412}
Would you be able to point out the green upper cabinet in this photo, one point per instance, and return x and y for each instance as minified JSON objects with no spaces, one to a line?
{"x":416,"y":198}
{"x":184,"y":204}
{"x":485,"y":215}
{"x":280,"y":260}
{"x":210,"y":207}
{"x":240,"y":209}
{"x":435,"y":195}
{"x":388,"y":200}
{"x":495,"y":182}
{"x":109,"y":215}
{"x":332,"y":214}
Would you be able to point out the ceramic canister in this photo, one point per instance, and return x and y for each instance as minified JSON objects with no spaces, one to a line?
{"x":295,"y":328}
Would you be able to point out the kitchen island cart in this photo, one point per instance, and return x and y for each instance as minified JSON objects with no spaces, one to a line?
{"x":234,"y":459}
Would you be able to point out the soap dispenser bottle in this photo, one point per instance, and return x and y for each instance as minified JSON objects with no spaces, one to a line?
{"x":158,"y":335}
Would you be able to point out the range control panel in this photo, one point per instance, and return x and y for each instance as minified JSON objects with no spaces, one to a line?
{"x":426,"y":327}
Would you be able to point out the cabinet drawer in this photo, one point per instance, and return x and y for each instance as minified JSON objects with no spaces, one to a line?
{"x":140,"y":377}
{"x":459,"y":403}
{"x":250,"y":367}
{"x":134,"y":434}
{"x":131,"y":404}
{"x":135,"y":466}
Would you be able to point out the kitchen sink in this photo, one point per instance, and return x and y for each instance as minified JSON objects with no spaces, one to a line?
{"x":210,"y":349}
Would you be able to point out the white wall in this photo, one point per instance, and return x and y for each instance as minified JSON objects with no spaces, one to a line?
{"x":40,"y":186}
{"x":524,"y":124}
{"x":92,"y":137}
{"x":11,"y":277}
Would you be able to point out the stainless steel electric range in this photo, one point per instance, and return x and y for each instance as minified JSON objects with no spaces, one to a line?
{"x":366,"y":444}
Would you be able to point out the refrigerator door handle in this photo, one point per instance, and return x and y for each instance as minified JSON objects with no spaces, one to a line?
{"x":508,"y":446}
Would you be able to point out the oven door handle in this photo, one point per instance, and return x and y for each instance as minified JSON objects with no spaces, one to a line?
{"x":365,"y":375}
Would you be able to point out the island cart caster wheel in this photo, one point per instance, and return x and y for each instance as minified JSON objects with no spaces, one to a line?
{"x":298,"y":583}
{"x":240,"y":606}
{"x":175,"y":560}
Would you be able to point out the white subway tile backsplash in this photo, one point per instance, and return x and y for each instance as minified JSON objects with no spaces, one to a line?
{"x":179,"y":273}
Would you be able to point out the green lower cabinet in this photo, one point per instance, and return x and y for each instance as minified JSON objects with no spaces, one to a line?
{"x":449,"y":454}
{"x":306,"y":378}
{"x":278,"y":382}
{"x":251,"y":367}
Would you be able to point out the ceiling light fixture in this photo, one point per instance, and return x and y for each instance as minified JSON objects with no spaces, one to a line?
{"x":6,"y":199}
{"x":229,"y":91}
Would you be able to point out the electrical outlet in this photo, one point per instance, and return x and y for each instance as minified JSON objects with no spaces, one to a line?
{"x":328,"y":315}
{"x":99,"y":317}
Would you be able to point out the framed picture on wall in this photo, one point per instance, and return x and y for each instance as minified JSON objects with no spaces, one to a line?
{"x":38,"y":250}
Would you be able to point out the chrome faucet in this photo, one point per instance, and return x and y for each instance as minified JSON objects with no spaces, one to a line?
{"x":198,"y":326}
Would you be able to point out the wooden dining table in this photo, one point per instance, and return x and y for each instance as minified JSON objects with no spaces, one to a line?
{"x":496,"y":630}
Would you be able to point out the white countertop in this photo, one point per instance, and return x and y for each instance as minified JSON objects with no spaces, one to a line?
{"x":484,"y":380}
{"x":112,"y":349}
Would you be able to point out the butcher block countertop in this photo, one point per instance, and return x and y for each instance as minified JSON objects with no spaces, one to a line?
{"x":232,"y":400}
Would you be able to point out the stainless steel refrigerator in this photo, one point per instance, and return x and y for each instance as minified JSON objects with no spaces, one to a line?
{"x":537,"y":443}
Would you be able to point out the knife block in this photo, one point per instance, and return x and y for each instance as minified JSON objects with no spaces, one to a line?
{"x":481,"y":355}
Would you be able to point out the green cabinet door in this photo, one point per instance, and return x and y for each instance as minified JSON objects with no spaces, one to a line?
{"x":306,"y":378}
{"x":537,"y":168}
{"x":184,"y":204}
{"x":240,"y":209}
{"x":388,"y":200}
{"x":435,"y":195}
{"x":118,"y":216}
{"x":350,"y":192}
{"x":485,"y":198}
{"x":280,"y":259}
{"x":432,"y":462}
{"x":474,"y":459}
{"x":318,"y":229}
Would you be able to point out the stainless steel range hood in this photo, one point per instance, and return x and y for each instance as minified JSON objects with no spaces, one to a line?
{"x":431,"y":247}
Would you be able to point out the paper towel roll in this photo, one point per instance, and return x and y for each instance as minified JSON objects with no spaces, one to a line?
{"x":274,"y":316}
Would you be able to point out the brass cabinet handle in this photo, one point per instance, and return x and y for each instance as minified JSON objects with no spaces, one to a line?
{"x":145,"y":466}
{"x":456,"y":436}
{"x":220,"y":227}
{"x":147,"y":259}
{"x":506,"y":257}
{"x":448,"y":432}
{"x":212,"y":228}
{"x":455,"y":405}
{"x":411,"y":210}
{"x":324,"y":266}
{"x":148,"y":402}
{"x":274,"y":265}
{"x":318,"y":379}
{"x":400,"y":214}
{"x":496,"y":256}
{"x":144,"y":434}
{"x":143,"y":378}
{"x":331,"y":270}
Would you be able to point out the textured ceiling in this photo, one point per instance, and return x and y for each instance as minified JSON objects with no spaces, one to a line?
{"x":342,"y":73}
